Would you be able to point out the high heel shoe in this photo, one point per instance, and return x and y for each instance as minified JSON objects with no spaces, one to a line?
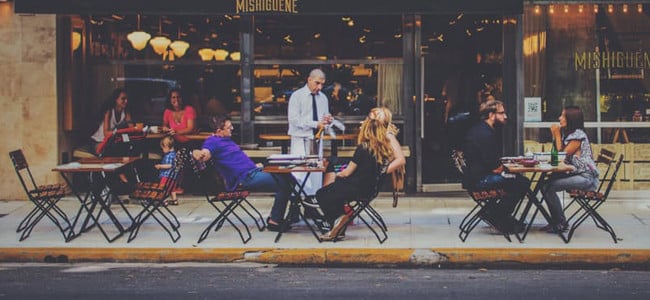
{"x":336,"y":228}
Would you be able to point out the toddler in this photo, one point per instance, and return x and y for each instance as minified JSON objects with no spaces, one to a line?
{"x":166,"y":165}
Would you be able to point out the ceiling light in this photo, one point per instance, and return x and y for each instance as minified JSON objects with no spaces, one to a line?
{"x":179,"y":47}
{"x":160,"y":44}
{"x":206,"y":54}
{"x":220,"y":54}
{"x":138,"y":38}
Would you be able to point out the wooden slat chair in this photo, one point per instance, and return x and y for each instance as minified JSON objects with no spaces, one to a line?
{"x":590,"y":201}
{"x":153,"y":198}
{"x":604,"y":162}
{"x":44,"y":197}
{"x":484,"y":199}
{"x":227,"y":203}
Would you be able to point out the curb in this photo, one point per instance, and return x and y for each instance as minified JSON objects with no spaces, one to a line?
{"x":449,"y":257}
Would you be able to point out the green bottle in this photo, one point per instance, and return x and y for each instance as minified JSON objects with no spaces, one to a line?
{"x":554,"y":159}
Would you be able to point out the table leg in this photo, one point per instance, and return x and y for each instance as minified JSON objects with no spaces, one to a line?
{"x":539,"y":207}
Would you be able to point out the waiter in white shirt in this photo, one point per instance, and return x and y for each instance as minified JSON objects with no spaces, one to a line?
{"x":308,"y":113}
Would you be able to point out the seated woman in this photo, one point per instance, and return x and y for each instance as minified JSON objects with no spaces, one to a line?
{"x":578,"y":154}
{"x":115,"y":115}
{"x":179,"y":119}
{"x":373,"y":152}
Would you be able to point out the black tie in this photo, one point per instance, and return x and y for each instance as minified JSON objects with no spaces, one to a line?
{"x":313,"y":107}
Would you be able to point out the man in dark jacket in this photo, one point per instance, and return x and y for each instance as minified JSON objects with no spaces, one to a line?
{"x":483,"y":150}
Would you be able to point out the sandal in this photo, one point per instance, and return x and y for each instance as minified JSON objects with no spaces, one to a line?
{"x":172,"y":202}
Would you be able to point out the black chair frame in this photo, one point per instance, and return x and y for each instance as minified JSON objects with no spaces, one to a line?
{"x":226,"y":204}
{"x":153,"y":198}
{"x":45,"y":199}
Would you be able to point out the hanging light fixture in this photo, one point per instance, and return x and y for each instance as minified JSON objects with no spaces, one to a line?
{"x":220,"y":54}
{"x":235,"y":56}
{"x":206,"y":54}
{"x":138,"y":38}
{"x":179,"y":46}
{"x":160,"y":43}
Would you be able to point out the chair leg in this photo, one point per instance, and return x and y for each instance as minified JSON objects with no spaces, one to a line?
{"x":223,"y":216}
{"x":261,"y":225}
{"x":589,"y":210}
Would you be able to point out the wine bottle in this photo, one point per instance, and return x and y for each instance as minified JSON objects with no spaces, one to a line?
{"x":554,"y":158}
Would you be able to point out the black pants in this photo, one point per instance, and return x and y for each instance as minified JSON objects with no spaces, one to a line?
{"x":331,"y":198}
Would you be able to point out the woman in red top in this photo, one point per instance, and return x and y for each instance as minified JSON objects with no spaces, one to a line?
{"x":179,"y":119}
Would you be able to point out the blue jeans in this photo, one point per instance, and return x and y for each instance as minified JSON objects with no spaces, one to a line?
{"x":584,"y":181}
{"x":515,"y":188}
{"x":259,"y":181}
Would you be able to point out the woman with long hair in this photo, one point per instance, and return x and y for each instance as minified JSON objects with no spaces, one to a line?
{"x":578,"y":154}
{"x":373,"y":153}
{"x":115,"y":115}
{"x":179,"y":118}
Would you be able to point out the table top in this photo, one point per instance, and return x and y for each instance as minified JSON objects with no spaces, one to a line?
{"x":200,"y":136}
{"x":284,"y":170}
{"x":105,"y":164}
{"x":517,"y":168}
{"x":286,"y":137}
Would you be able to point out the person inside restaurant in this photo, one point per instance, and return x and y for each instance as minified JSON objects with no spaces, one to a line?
{"x":239,"y":170}
{"x":483,"y":150}
{"x":179,"y":118}
{"x":114,"y":115}
{"x":576,"y":144}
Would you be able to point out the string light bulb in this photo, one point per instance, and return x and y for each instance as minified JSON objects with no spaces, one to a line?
{"x":625,"y":8}
{"x":639,"y":8}
{"x":566,"y":9}
{"x":551,"y":8}
{"x":595,"y":8}
{"x":610,"y":8}
{"x":537,"y":9}
{"x":581,"y":8}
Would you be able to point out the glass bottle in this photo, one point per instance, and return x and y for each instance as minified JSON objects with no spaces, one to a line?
{"x":554,"y":158}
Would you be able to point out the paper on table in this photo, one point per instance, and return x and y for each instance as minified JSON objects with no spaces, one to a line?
{"x":284,"y":156}
{"x":112,"y":166}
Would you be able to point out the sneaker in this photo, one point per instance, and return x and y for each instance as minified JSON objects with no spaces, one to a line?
{"x":310,"y":202}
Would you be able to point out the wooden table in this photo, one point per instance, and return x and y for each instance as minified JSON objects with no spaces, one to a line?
{"x":100,"y":171}
{"x":285,"y":138}
{"x":544,"y":173}
{"x":200,"y":136}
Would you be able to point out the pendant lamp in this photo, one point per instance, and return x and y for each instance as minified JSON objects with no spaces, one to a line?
{"x":138,"y":38}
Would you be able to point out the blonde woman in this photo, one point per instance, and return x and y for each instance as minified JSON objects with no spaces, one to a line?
{"x":373,"y":153}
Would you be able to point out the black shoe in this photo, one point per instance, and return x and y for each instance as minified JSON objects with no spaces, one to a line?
{"x":558,"y":228}
{"x":276,"y":227}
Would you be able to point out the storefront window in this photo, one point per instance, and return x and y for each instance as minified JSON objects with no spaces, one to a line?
{"x":592,"y":56}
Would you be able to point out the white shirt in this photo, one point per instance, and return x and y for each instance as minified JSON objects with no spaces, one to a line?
{"x":301,"y":122}
{"x":98,"y":136}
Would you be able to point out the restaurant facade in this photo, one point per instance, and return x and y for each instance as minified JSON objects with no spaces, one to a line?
{"x":430,"y":62}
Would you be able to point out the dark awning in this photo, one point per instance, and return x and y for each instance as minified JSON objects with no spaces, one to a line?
{"x":202,"y":7}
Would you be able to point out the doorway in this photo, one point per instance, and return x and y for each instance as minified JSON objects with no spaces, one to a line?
{"x":461,"y":66}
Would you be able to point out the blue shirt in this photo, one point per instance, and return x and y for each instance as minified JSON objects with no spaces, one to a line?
{"x":168,"y":159}
{"x":229,"y":160}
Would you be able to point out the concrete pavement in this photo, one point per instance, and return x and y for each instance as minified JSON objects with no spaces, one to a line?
{"x":423,"y":231}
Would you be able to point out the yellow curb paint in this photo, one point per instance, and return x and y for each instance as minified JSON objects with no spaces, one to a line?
{"x":544,"y":255}
{"x":319,"y":256}
{"x":369,"y":256}
{"x":291,"y":256}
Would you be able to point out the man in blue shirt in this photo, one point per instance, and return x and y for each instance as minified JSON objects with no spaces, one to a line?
{"x":238,"y":169}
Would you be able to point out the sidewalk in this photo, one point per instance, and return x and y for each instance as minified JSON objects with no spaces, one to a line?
{"x":423,"y":230}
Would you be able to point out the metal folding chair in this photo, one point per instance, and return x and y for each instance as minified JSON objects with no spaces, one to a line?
{"x":45,"y":199}
{"x":590,"y":201}
{"x":362,"y":205}
{"x":485,"y":200}
{"x":153,"y":198}
{"x":226,"y":203}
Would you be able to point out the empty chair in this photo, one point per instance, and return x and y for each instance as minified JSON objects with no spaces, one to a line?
{"x":589,"y":201}
{"x":153,"y":198}
{"x":44,"y":198}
